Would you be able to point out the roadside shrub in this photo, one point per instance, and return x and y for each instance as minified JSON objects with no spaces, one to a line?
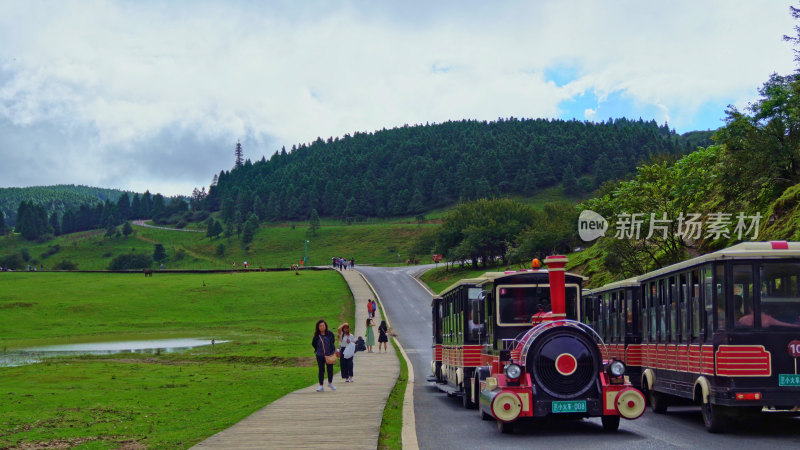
{"x":181,"y":224}
{"x":131,"y":262}
{"x":66,"y":264}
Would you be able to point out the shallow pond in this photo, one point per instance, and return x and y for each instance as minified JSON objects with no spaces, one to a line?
{"x":36,"y":354}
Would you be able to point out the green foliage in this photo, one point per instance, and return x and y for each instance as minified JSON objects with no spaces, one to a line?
{"x":409,"y":170}
{"x":132,"y":261}
{"x":552,"y":231}
{"x":220,"y":250}
{"x":55,"y":199}
{"x":127,"y":229}
{"x":13,"y":261}
{"x":313,"y":222}
{"x":249,"y":229}
{"x":159,"y":253}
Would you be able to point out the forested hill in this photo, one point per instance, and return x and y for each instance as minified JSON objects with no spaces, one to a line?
{"x":56,"y":198}
{"x":412,"y":169}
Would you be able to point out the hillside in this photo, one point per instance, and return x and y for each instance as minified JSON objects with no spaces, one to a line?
{"x":58,"y":198}
{"x":414,"y":169}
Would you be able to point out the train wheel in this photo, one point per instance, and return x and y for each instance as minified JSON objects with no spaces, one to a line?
{"x":714,"y":417}
{"x":505,"y":427}
{"x":658,"y":402}
{"x":610,"y":423}
{"x":466,"y":395}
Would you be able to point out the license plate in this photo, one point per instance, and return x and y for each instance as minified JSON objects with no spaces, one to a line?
{"x":788,"y":379}
{"x":574,"y":406}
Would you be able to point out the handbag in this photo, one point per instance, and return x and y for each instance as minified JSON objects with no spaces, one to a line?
{"x":329,"y":359}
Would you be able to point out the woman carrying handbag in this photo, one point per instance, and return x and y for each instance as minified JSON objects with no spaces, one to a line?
{"x":325,"y":351}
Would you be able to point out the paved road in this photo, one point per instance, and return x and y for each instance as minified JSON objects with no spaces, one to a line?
{"x":141,"y":223}
{"x":442,"y":422}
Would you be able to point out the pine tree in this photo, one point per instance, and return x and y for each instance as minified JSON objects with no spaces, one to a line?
{"x":314,"y":222}
{"x":127,"y":229}
{"x":249,"y":229}
{"x":159,"y":253}
{"x":239,"y":155}
{"x":2,"y":224}
{"x":55,"y":224}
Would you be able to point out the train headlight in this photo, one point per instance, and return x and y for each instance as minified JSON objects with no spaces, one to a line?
{"x":513,"y":371}
{"x":616,"y":368}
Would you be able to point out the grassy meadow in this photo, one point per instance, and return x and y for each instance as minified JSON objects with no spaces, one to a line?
{"x":273,"y":246}
{"x":156,"y":400}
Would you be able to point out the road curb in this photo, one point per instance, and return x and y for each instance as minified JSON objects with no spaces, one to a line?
{"x":409,"y":433}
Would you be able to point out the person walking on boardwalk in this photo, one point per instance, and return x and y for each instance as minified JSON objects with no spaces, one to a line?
{"x":370,"y":335}
{"x":374,"y":308}
{"x":347,"y":344}
{"x":324,"y":347}
{"x":369,"y":308}
{"x":383,"y":338}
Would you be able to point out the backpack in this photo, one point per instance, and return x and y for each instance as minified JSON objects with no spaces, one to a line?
{"x":360,"y":344}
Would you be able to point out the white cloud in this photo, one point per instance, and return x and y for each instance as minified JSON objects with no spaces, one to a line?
{"x":589,"y":113}
{"x":128,"y":73}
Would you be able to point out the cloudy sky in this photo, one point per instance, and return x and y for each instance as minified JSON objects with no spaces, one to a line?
{"x":154,"y":95}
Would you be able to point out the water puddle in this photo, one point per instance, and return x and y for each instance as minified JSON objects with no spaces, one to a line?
{"x":37,"y":354}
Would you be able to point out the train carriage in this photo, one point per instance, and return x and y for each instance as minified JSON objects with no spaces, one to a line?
{"x":722,"y":330}
{"x":613,"y":311}
{"x":511,"y":345}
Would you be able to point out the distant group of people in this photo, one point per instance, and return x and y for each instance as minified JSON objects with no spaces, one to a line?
{"x":327,"y":352}
{"x":343,"y":263}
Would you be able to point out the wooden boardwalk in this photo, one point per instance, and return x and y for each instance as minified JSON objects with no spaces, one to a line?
{"x":349,"y":417}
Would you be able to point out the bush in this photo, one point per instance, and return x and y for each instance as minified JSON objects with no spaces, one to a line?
{"x":181,"y":224}
{"x":179,"y":255}
{"x":131,"y":262}
{"x":26,"y":256}
{"x":65,"y":264}
{"x":13,"y":262}
{"x":221,"y":250}
{"x":159,"y":253}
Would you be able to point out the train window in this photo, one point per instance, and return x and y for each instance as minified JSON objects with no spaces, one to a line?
{"x":652,"y":305}
{"x":708,"y":298}
{"x":662,"y":311}
{"x":719,"y":295}
{"x":602,"y":316}
{"x":696,"y":305}
{"x":614,"y":317}
{"x":588,"y":310}
{"x":672,"y":304}
{"x":743,"y":309}
{"x":627,"y":305}
{"x":683,"y":289}
{"x":780,"y":299}
{"x":643,"y":311}
{"x":475,"y":329}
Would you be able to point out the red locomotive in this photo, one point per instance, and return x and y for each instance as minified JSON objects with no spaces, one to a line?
{"x":509,"y":344}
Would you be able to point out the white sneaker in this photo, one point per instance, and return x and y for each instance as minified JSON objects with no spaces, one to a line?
{"x":320,"y":388}
{"x":330,"y":385}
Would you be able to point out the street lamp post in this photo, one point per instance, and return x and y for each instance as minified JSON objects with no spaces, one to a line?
{"x":305,"y":258}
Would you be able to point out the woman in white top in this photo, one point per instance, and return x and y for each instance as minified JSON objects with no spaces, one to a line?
{"x":347,"y":346}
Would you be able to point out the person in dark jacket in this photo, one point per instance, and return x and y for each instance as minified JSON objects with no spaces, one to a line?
{"x":323,"y":343}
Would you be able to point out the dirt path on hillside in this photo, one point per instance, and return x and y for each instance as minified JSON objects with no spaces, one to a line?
{"x":141,"y":223}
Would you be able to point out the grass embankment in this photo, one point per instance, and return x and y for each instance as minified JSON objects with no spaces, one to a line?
{"x":391,"y":434}
{"x":277,"y":246}
{"x":167,"y":400}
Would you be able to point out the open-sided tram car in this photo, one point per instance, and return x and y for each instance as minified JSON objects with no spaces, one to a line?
{"x":509,"y":344}
{"x":721,"y":330}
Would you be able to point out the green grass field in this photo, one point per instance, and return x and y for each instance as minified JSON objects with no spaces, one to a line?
{"x":168,"y":400}
{"x":277,"y":246}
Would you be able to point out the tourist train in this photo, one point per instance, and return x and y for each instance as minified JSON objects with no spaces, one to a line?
{"x":721,"y":330}
{"x":510,"y":344}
